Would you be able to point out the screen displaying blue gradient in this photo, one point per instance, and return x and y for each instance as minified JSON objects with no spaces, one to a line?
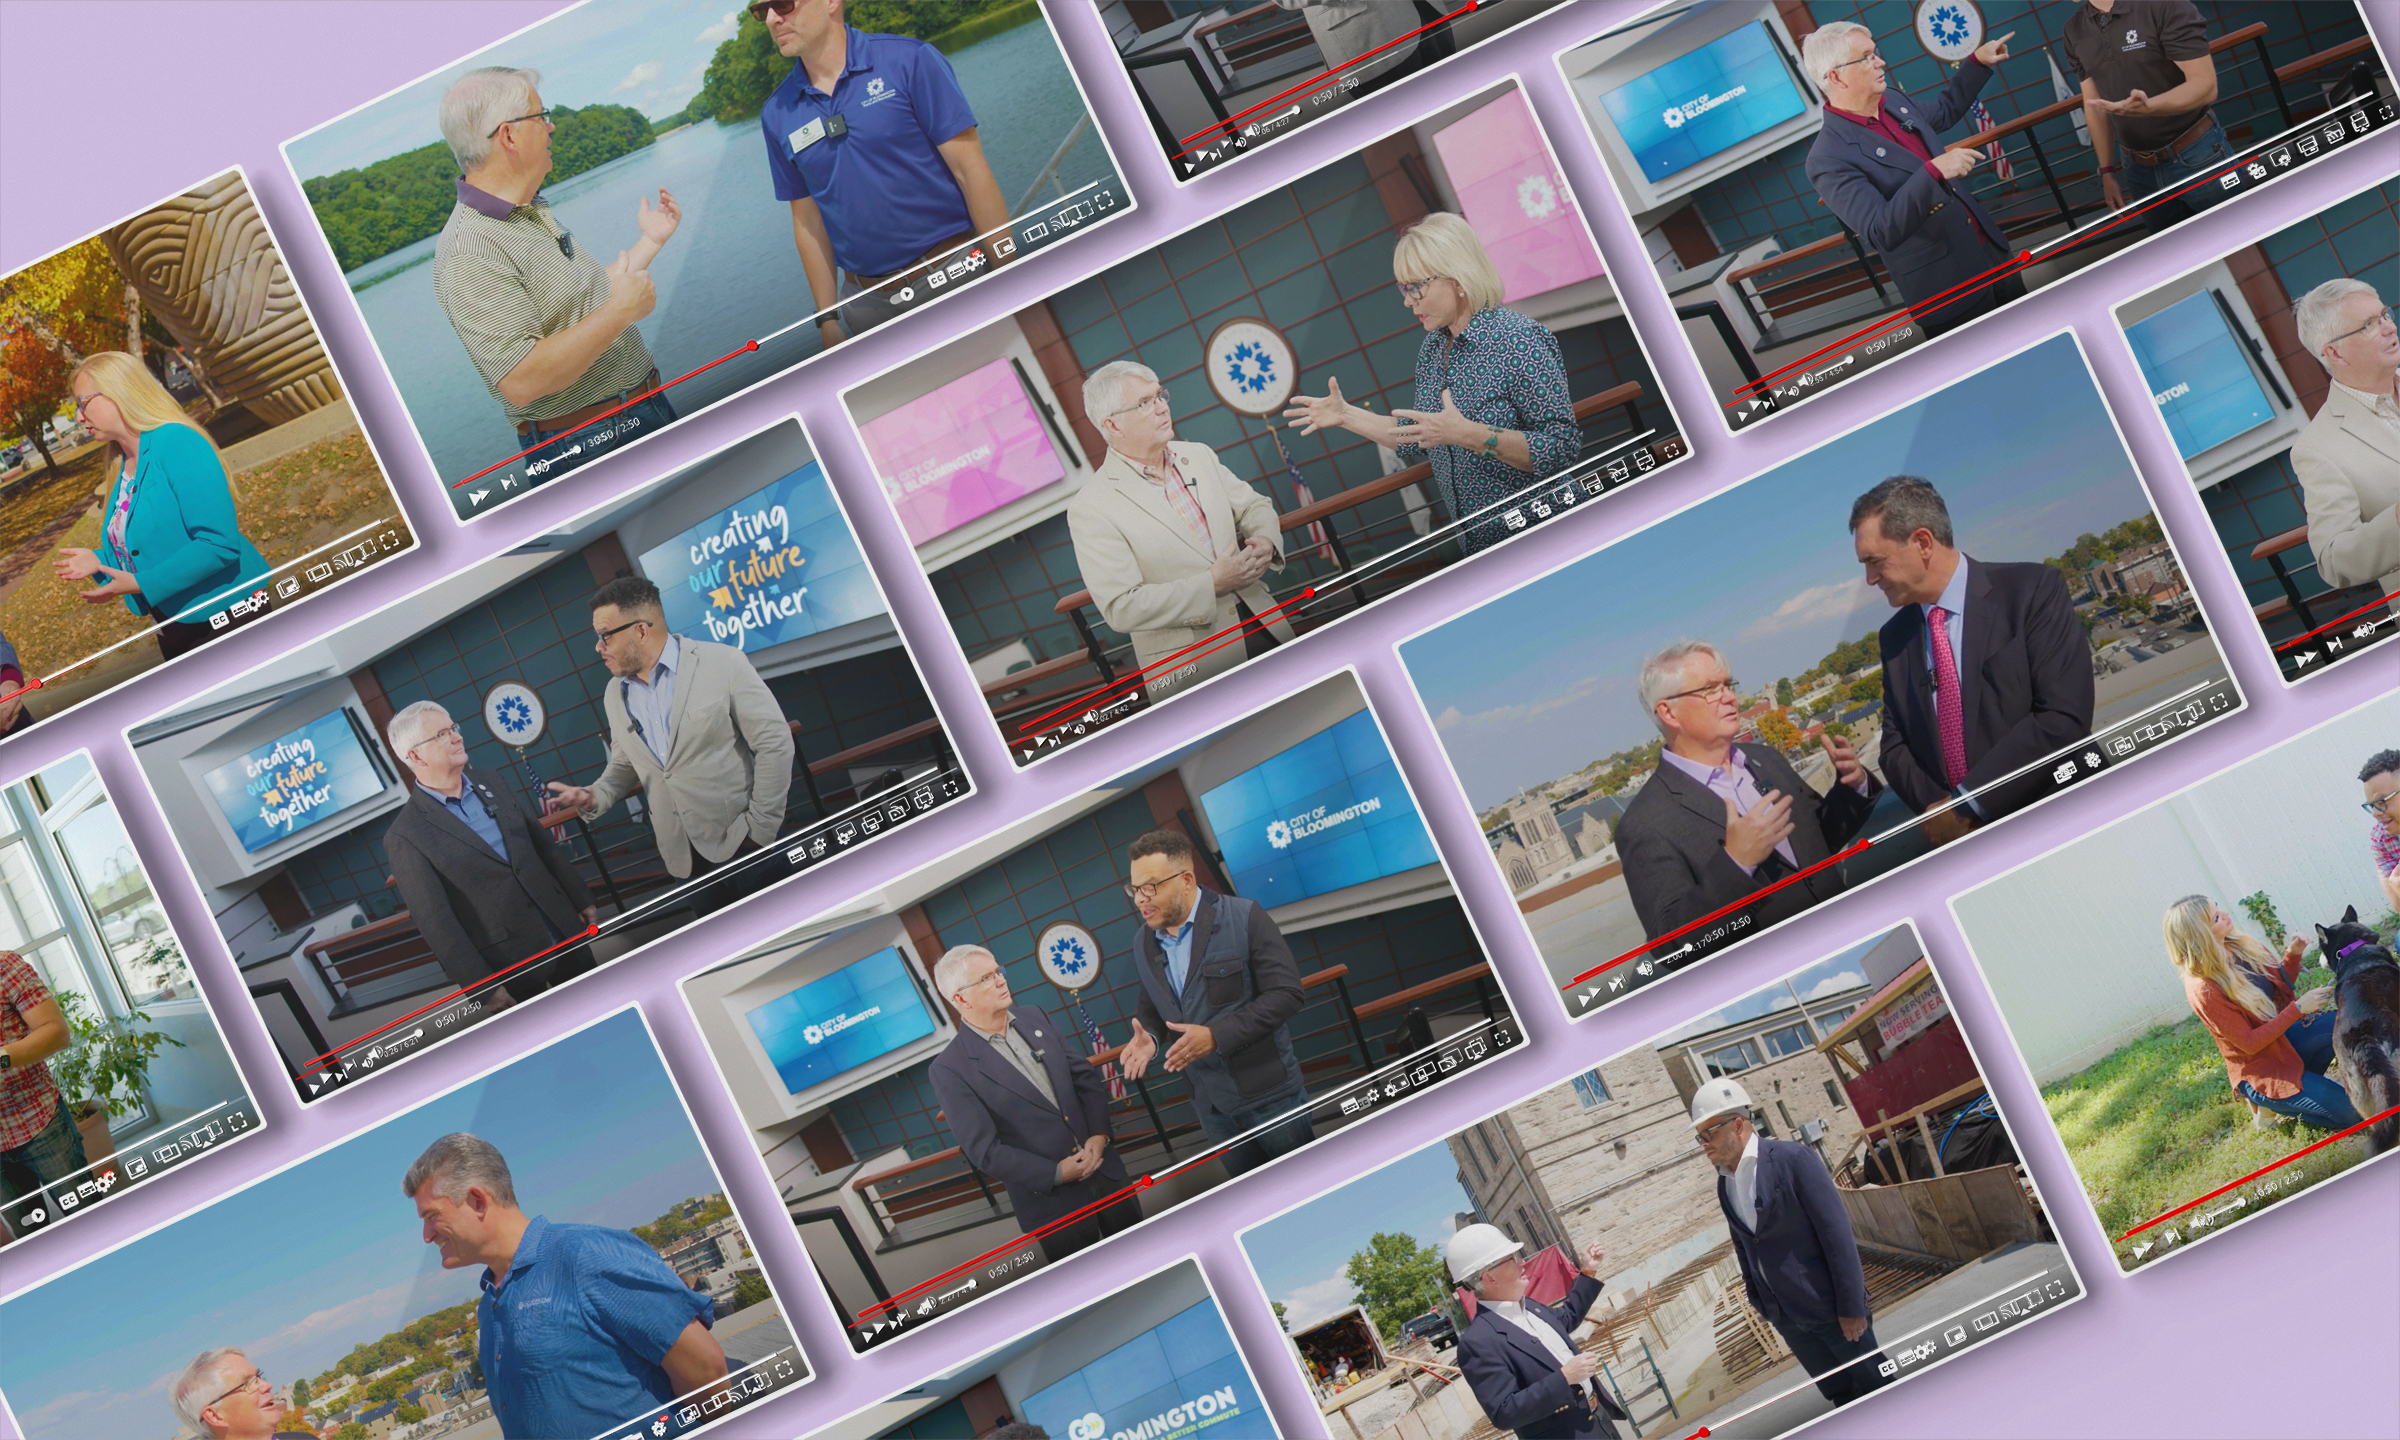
{"x":1706,"y":102}
{"x":2199,"y":378}
{"x":1329,"y":812}
{"x":1182,"y":1377}
{"x":302,"y":778}
{"x":836,"y":1023}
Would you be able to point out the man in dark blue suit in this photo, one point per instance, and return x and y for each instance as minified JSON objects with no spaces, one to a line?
{"x":1799,"y":1259}
{"x":1878,"y":163}
{"x":1525,"y":1371}
{"x":1028,"y":1107}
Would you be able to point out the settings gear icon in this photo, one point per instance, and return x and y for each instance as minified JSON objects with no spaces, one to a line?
{"x":1279,"y":834}
{"x":1068,"y":956}
{"x":1537,"y":197}
{"x":516,"y":716}
{"x":1249,"y":367}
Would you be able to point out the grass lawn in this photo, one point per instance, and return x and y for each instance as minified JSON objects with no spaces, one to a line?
{"x":2156,"y":1125}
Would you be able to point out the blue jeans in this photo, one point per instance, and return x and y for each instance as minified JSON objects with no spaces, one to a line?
{"x":1282,"y":1139}
{"x":54,"y":1153}
{"x":578,"y":447}
{"x":2204,"y":156}
{"x":2321,"y":1103}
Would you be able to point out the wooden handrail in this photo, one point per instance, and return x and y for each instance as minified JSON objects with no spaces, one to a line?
{"x":1358,"y":495}
{"x":1778,"y":261}
{"x":1309,"y":981}
{"x":877,"y":746}
{"x":1019,"y":679}
{"x":2322,"y":58}
{"x":2032,"y":118}
{"x":2277,"y":544}
{"x":1404,"y":998}
{"x":1238,"y":17}
{"x":372,"y":930}
{"x":907,"y":1167}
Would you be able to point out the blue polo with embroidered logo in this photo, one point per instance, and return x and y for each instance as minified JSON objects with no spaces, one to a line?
{"x":885,"y":192}
{"x":571,"y":1344}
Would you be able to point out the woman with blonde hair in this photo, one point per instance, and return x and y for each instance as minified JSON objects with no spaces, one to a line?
{"x":169,"y":542}
{"x":2276,"y":1047}
{"x":1492,"y":410}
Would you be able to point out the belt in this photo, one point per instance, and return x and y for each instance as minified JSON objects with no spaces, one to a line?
{"x":2175,"y":146}
{"x":915,"y":272}
{"x":553,"y":424}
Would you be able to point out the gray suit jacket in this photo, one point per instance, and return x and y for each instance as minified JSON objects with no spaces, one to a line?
{"x":1007,"y":1130}
{"x":1244,"y":986}
{"x":2349,"y":466}
{"x":1148,"y":573}
{"x":728,"y":772}
{"x":481,"y":913}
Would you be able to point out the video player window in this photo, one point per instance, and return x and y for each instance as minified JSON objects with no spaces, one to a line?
{"x":1306,"y":465}
{"x":1888,"y":1194}
{"x":2229,"y":1045}
{"x":549,"y":760}
{"x":118,"y":1070}
{"x":2264,"y":365}
{"x":1219,"y":81}
{"x":178,"y":456}
{"x":1765,"y":713}
{"x":1075,"y":1077}
{"x":1154,"y":1358}
{"x":621,"y":215}
{"x":1824,"y":188}
{"x":349,"y":1288}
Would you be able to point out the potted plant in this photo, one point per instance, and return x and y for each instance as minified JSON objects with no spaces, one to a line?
{"x":102,"y":1074}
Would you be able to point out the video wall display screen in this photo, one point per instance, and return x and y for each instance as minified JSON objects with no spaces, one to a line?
{"x":1330,"y":812}
{"x":861,"y":1012}
{"x":1890,"y":248}
{"x":1763,"y":696}
{"x":690,"y":220}
{"x":119,"y":1071}
{"x":1277,"y":367}
{"x":2300,"y":960}
{"x":797,"y":728}
{"x":2240,"y":356}
{"x":1092,"y":1111}
{"x":660,"y":1320}
{"x":158,"y":500}
{"x":1845,"y":1096}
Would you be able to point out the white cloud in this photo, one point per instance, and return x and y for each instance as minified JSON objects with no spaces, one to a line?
{"x":638,"y":76}
{"x":722,"y":31}
{"x":387,"y":1301}
{"x":42,"y":1417}
{"x":1817,"y":603}
{"x":1833,"y":985}
{"x":1511,"y":715}
{"x":1319,"y":1299}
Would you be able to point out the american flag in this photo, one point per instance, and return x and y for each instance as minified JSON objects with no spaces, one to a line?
{"x":1091,"y":1032}
{"x":1981,"y":118}
{"x":1316,"y":528}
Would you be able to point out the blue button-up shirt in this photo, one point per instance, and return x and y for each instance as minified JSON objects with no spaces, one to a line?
{"x":651,"y":705}
{"x":1177,"y":947}
{"x":470,"y":810}
{"x":571,"y":1343}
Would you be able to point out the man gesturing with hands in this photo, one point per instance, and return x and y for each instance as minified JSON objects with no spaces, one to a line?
{"x":1720,"y":819}
{"x":1517,"y":1353}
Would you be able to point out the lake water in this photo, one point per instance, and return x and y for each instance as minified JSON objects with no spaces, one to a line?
{"x":730,"y":274}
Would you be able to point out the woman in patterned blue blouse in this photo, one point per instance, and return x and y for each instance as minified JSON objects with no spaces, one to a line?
{"x":1492,"y":408}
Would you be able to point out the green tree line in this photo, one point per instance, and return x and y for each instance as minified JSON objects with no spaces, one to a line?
{"x":747,"y":68}
{"x":369,"y":213}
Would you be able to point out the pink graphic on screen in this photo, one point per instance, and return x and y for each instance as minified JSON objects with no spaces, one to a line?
{"x":1516,"y":199}
{"x":961,"y":452}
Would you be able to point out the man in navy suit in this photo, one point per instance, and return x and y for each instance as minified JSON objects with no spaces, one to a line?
{"x":1878,"y":163}
{"x":1028,"y":1107}
{"x":1525,"y":1371}
{"x":1799,"y":1259}
{"x":1986,"y":670}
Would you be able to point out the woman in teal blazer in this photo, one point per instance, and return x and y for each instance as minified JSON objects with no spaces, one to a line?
{"x":169,"y":541}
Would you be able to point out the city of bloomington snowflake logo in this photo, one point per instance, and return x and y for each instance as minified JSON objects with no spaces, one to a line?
{"x":1537,"y":197}
{"x":1278,"y":834}
{"x":1948,"y":24}
{"x":515,"y":715}
{"x":1068,"y":956}
{"x":1249,"y":367}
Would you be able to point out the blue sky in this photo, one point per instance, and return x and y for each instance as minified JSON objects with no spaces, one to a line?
{"x":1825,"y":978}
{"x":609,"y":52}
{"x":1543,"y":680}
{"x":327,"y":1255}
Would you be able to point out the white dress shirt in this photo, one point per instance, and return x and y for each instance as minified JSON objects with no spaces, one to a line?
{"x":1743,"y":1187}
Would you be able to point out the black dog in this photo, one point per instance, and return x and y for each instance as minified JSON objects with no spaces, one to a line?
{"x":2366,"y":1025}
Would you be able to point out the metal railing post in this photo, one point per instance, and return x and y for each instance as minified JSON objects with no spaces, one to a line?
{"x":2066,"y":212}
{"x":2274,"y":81}
{"x":1860,"y":250}
{"x":1158,"y":1124}
{"x":858,"y":1252}
{"x":1358,"y":1032}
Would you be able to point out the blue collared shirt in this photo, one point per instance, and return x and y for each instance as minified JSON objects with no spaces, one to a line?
{"x":1954,"y":626}
{"x":471,"y":812}
{"x":571,"y":1344}
{"x":884,"y":191}
{"x":651,"y":706}
{"x":1177,"y":948}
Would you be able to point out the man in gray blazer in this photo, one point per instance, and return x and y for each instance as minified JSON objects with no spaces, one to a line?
{"x":1172,"y":544}
{"x":486,"y":887}
{"x":2348,"y":459}
{"x":1216,"y":972}
{"x":1028,"y":1107}
{"x":693,"y":727}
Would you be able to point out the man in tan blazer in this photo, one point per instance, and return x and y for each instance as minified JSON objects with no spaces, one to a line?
{"x":695,"y":730}
{"x":1172,"y":545}
{"x":2348,"y":458}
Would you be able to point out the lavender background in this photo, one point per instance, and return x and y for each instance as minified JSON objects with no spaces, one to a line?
{"x":109,"y":108}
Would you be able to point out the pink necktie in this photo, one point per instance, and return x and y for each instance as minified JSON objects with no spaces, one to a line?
{"x":1949,"y":707}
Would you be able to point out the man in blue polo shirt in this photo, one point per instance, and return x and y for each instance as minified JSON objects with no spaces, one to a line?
{"x":873,"y":145}
{"x":580,"y":1327}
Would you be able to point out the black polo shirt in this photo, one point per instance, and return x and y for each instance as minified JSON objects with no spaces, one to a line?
{"x":2135,"y":45}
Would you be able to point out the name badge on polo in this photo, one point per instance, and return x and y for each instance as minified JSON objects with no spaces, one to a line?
{"x":831,"y":127}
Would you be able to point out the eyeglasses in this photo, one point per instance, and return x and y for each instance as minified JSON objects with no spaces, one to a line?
{"x":1710,"y":1132}
{"x":1725,"y":689}
{"x":1414,"y":290}
{"x":2378,"y":806}
{"x":1150,"y":890}
{"x":83,"y":402}
{"x":1156,"y":400}
{"x":600,"y":638}
{"x":257,"y":1381}
{"x":759,"y":10}
{"x":2380,"y":317}
{"x":1874,"y":55}
{"x":987,"y":978}
{"x":541,"y":115}
{"x":442,"y":734}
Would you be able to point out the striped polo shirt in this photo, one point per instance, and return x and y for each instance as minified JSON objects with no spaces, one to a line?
{"x":500,"y":277}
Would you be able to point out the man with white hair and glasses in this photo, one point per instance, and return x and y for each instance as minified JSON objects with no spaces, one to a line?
{"x":2348,"y":459}
{"x":221,"y":1394}
{"x":1518,"y":1355}
{"x":549,"y":327}
{"x":1173,"y":546}
{"x":580,"y":1328}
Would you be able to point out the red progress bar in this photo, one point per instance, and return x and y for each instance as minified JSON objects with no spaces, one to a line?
{"x":1090,"y":695}
{"x":578,"y":938}
{"x":2341,"y":620}
{"x":1748,"y":899}
{"x":2253,"y":1175}
{"x":1137,"y":1186}
{"x":1315,"y":80}
{"x":596,"y":419}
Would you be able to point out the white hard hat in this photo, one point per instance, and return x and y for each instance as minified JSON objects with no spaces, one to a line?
{"x":1477,"y":1248}
{"x":1719,"y":1097}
